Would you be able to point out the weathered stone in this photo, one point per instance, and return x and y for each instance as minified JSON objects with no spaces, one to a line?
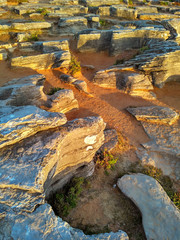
{"x":3,"y":2}
{"x":162,"y":150}
{"x":80,"y":85}
{"x":51,"y":46}
{"x":143,"y":94}
{"x":146,"y":9}
{"x":121,"y":79}
{"x":104,"y":11}
{"x":93,"y":21}
{"x":156,"y":16}
{"x":94,"y":41}
{"x":123,"y":12}
{"x":31,"y":25}
{"x":43,"y":224}
{"x":67,"y":78}
{"x":3,"y":54}
{"x":72,"y":24}
{"x":72,"y":10}
{"x":134,"y":38}
{"x":163,"y":67}
{"x":23,"y":91}
{"x":110,"y":141}
{"x":155,"y":114}
{"x":4,"y":26}
{"x":43,"y":61}
{"x":173,"y":25}
{"x":100,"y":2}
{"x":17,"y":123}
{"x":64,"y":2}
{"x":161,"y":219}
{"x":44,"y":162}
{"x":62,"y":101}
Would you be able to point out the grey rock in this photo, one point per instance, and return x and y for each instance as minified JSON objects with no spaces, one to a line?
{"x":156,"y":16}
{"x":3,"y":54}
{"x":67,"y":78}
{"x":123,"y":12}
{"x":43,"y":224}
{"x":110,"y":141}
{"x":80,"y":85}
{"x":173,"y":25}
{"x":43,"y":61}
{"x":62,"y":101}
{"x":17,"y":123}
{"x":72,"y":10}
{"x":125,"y":80}
{"x":154,"y":114}
{"x":72,"y":24}
{"x":162,"y":150}
{"x":161,"y":218}
{"x":51,"y":46}
{"x":31,"y":25}
{"x":23,"y":91}
{"x":44,"y":161}
{"x":99,"y":3}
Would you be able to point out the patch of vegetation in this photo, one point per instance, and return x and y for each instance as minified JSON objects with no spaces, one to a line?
{"x":130,"y":3}
{"x":42,"y":11}
{"x":54,"y":90}
{"x":157,"y":173}
{"x":74,"y":66}
{"x":33,"y":37}
{"x":105,"y":160}
{"x":103,"y":22}
{"x":68,"y":197}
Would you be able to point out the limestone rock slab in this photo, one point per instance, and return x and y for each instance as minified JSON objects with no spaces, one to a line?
{"x":31,"y":25}
{"x":42,"y":162}
{"x":17,"y":123}
{"x":155,"y":114}
{"x":161,"y":218}
{"x":43,"y":61}
{"x":62,"y":101}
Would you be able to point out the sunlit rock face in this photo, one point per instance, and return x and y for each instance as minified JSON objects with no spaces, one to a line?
{"x":161,"y":218}
{"x":162,"y":126}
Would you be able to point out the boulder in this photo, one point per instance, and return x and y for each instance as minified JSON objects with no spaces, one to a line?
{"x":173,"y":25}
{"x":81,"y":85}
{"x":124,"y":80}
{"x":96,"y":3}
{"x":17,"y":123}
{"x":135,"y":38}
{"x":161,"y":218}
{"x":30,"y":25}
{"x":43,"y":224}
{"x":46,"y":161}
{"x":23,"y":91}
{"x":162,"y":127}
{"x":156,"y":16}
{"x":43,"y":61}
{"x":62,"y":101}
{"x":155,"y":114}
{"x":51,"y":46}
{"x":72,"y":24}
{"x":123,"y":12}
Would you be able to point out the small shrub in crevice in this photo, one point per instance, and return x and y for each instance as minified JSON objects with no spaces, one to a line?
{"x":42,"y":11}
{"x":54,"y":90}
{"x":33,"y":37}
{"x":74,"y":66}
{"x":68,"y":197}
{"x":105,"y":160}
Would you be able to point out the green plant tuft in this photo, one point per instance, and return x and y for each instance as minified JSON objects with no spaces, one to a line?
{"x":74,"y":66}
{"x":32,"y":37}
{"x":68,"y":197}
{"x":105,"y":160}
{"x":42,"y":11}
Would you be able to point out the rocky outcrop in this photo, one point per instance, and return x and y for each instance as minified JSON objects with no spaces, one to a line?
{"x":173,"y":25}
{"x":162,"y":127}
{"x":43,"y":224}
{"x":161,"y":219}
{"x":72,"y":25}
{"x":123,"y":79}
{"x":62,"y":101}
{"x":43,"y":61}
{"x":17,"y":123}
{"x":51,"y":46}
{"x":30,"y":25}
{"x":23,"y":91}
{"x":155,"y":114}
{"x":116,"y":41}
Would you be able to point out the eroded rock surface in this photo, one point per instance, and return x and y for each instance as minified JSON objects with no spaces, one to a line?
{"x":162,"y":127}
{"x":161,"y":218}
